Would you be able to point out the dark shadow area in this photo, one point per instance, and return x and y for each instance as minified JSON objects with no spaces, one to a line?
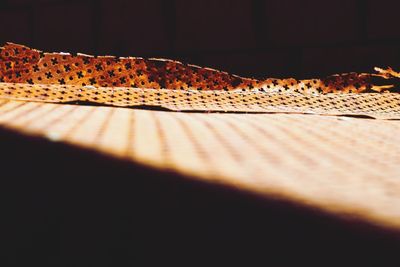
{"x":63,"y":206}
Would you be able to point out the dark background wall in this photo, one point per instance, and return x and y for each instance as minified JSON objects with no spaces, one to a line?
{"x":252,"y":38}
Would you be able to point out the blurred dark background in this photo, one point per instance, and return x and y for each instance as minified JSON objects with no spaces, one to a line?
{"x":252,"y":38}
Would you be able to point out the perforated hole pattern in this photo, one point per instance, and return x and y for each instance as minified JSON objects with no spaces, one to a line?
{"x":29,"y":74}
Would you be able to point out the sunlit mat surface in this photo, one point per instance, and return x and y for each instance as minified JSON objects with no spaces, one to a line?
{"x":340,"y":165}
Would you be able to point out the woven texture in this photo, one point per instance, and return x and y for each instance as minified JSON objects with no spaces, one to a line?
{"x":30,"y":74}
{"x":375,"y":105}
{"x":341,"y":165}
